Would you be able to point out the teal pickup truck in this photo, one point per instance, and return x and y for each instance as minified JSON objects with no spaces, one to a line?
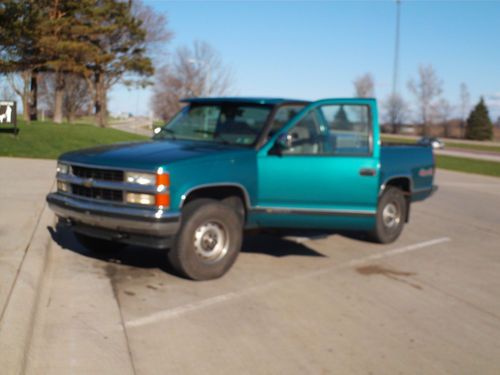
{"x":222,"y":165}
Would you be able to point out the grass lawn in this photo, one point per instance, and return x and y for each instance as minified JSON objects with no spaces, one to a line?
{"x":46,"y":140}
{"x":396,"y":139}
{"x":448,"y":144}
{"x":484,"y":167}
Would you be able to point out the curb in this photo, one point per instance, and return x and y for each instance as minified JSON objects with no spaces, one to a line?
{"x":16,"y":326}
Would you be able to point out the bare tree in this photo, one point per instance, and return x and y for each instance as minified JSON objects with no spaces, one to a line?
{"x":157,"y":34}
{"x":76,"y":95}
{"x":6,"y":92}
{"x":464,"y":107}
{"x":364,"y":86}
{"x":192,"y":72}
{"x":21,"y":84}
{"x":426,"y":88}
{"x":441,"y":112}
{"x":395,"y":111}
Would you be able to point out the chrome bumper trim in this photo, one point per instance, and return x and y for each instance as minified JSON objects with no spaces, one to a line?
{"x":304,"y":211}
{"x":118,"y":218}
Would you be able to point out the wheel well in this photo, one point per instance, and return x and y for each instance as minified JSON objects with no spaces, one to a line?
{"x":404,"y":184}
{"x":218,"y":193}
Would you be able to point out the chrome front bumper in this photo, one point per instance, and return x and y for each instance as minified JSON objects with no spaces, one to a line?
{"x":113,"y":217}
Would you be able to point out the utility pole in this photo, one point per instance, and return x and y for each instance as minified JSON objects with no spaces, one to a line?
{"x":396,"y":50}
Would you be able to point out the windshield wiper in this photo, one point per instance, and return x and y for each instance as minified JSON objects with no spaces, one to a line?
{"x":204,"y":131}
{"x":220,"y":139}
{"x":169,"y":131}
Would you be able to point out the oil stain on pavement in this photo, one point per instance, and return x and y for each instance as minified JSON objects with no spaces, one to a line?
{"x":389,"y":273}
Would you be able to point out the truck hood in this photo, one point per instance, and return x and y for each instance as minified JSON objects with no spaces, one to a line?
{"x":146,"y":155}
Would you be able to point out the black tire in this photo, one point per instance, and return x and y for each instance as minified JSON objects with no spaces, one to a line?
{"x":237,"y":205}
{"x":98,"y":244}
{"x":208,"y":241}
{"x":391,"y":216}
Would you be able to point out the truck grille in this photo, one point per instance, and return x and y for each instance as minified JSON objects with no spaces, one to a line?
{"x":97,"y":174}
{"x":97,"y":193}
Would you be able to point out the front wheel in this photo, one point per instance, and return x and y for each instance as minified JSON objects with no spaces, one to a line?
{"x":208,"y":241}
{"x":391,"y":216}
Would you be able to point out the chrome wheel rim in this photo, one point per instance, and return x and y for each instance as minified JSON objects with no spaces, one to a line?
{"x":211,"y":241}
{"x":391,"y":215}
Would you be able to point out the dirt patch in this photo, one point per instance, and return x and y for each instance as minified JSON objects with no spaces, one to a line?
{"x":389,"y":273}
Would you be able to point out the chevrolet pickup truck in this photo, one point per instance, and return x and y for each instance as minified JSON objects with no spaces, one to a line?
{"x":223,"y":165}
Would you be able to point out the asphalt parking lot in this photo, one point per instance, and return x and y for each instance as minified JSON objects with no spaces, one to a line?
{"x":304,"y":303}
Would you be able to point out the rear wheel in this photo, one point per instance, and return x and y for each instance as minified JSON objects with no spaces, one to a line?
{"x":391,"y":216}
{"x":98,"y":244}
{"x":208,"y":241}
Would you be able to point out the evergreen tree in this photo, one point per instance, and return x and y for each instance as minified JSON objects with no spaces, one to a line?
{"x":121,"y":40}
{"x":19,"y":52}
{"x":479,"y":126}
{"x":99,"y":40}
{"x":64,"y":45}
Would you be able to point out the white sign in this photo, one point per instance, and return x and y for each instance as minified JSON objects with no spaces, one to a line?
{"x":8,"y":112}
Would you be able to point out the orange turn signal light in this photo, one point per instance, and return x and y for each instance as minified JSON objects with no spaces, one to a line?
{"x":163,"y":179}
{"x":163,"y":198}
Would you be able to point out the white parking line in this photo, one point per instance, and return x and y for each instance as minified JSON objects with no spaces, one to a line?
{"x":198,"y":305}
{"x":469,"y":184}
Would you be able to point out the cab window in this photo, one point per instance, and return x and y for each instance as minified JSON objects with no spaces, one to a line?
{"x":336,"y":129}
{"x":284,"y":114}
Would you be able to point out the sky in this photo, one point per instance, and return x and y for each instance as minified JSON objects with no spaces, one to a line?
{"x":316,"y":49}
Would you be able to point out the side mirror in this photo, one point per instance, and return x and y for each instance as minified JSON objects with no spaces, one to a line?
{"x":284,"y":141}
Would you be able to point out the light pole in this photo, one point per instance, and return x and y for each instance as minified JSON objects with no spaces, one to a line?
{"x":396,"y":50}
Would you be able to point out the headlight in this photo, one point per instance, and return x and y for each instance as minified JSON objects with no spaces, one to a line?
{"x":137,"y":198}
{"x":62,"y":168}
{"x":140,"y":178}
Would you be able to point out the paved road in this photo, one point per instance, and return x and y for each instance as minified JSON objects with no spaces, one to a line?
{"x":464,"y":153}
{"x":136,"y":125}
{"x":479,"y":155}
{"x":448,"y":140}
{"x":331,"y":304}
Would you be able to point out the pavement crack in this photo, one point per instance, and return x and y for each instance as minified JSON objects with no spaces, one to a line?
{"x":111,"y":272}
{"x":16,"y":278}
{"x":462,"y":300}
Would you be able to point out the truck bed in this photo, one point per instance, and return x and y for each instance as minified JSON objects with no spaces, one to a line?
{"x":413,"y":161}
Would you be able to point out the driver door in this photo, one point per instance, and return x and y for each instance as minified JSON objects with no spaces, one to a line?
{"x":327,"y":176}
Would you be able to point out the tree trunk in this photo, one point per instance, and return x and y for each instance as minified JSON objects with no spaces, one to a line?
{"x":446,"y":129}
{"x":71,"y":116}
{"x":58,"y":98}
{"x":33,"y":105}
{"x":26,"y":107}
{"x":425,"y":129}
{"x":100,"y":100}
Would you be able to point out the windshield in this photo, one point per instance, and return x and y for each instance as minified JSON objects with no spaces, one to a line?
{"x":228,"y":123}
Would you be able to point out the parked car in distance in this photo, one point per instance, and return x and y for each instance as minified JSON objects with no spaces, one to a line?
{"x":222,"y":165}
{"x":433,"y":142}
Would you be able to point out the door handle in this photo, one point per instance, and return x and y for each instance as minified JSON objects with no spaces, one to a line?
{"x":367,"y":172}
